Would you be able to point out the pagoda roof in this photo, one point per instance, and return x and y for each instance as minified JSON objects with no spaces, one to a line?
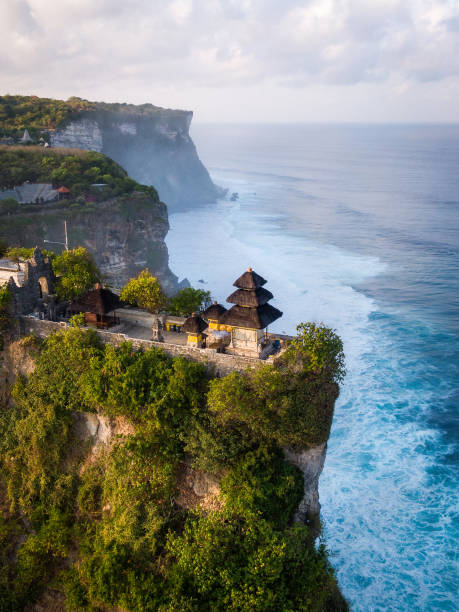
{"x":194,"y":324}
{"x":98,"y":301}
{"x":249,"y":280}
{"x":250,"y":297}
{"x":214,"y":311}
{"x":251,"y":318}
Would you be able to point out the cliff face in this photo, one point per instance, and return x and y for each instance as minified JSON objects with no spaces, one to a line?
{"x":151,"y":143}
{"x":125,"y":235}
{"x":311,"y":463}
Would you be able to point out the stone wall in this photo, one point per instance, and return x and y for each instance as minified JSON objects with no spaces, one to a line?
{"x":38,"y":283}
{"x":220,"y":364}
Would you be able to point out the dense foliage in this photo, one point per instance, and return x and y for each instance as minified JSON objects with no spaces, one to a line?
{"x":290,"y":402}
{"x":108,"y":530}
{"x":36,"y":114}
{"x":76,"y":271}
{"x":73,"y":168}
{"x":188,"y":300}
{"x":145,"y":291}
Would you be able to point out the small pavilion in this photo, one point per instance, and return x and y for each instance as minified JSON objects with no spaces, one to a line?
{"x":213,"y":314}
{"x":250,"y":315}
{"x":63,"y":192}
{"x":194,"y":326}
{"x":96,"y":304}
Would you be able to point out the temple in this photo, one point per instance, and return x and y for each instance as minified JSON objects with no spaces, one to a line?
{"x":250,"y":316}
{"x":242,"y":330}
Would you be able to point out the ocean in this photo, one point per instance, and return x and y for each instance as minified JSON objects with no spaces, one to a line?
{"x":357,"y":226}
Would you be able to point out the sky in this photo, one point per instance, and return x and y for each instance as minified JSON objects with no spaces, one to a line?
{"x":241,"y":60}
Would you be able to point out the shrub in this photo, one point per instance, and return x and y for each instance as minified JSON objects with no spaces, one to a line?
{"x":77,"y":273}
{"x":189,"y":300}
{"x":237,"y":565}
{"x":145,"y":291}
{"x":262,"y":484}
{"x":291,"y":401}
{"x":77,"y":320}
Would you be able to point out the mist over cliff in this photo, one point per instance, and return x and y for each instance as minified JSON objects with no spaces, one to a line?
{"x":153,"y":144}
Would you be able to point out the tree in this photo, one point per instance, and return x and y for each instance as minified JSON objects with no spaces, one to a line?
{"x":322,"y":351}
{"x":189,"y":300}
{"x":145,"y":291}
{"x":77,"y":273}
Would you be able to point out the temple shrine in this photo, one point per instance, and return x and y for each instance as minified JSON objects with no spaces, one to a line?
{"x":250,"y":316}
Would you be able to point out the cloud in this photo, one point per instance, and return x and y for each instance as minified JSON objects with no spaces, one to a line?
{"x":142,"y":45}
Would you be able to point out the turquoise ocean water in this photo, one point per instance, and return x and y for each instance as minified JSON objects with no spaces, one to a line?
{"x":358,"y":227}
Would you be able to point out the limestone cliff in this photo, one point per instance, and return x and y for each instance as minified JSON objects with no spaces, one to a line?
{"x":124,"y":234}
{"x":311,"y":463}
{"x":153,"y":144}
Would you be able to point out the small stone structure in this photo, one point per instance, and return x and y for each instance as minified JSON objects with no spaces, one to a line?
{"x":35,"y":294}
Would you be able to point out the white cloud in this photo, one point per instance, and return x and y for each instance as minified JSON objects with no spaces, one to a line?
{"x":141,"y":47}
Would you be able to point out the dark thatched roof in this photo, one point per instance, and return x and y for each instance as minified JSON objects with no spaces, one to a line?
{"x":249,"y":280}
{"x":194,"y":324}
{"x":252,"y":318}
{"x":214,"y":311}
{"x":99,"y":301}
{"x":250,"y":297}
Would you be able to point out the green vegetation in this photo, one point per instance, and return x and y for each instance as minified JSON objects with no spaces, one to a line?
{"x":39,"y":115}
{"x":18,"y":113}
{"x":21,"y":253}
{"x":108,"y":530}
{"x":271,"y":399}
{"x":189,"y":300}
{"x":73,"y":168}
{"x":76,"y":271}
{"x":145,"y":291}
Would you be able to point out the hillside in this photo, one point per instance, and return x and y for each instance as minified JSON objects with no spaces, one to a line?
{"x":123,"y":224}
{"x":152,"y":143}
{"x":77,"y":169}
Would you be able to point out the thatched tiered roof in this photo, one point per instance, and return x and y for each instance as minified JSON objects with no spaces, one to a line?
{"x":252,"y":318}
{"x":214,"y":312}
{"x":250,"y":297}
{"x":249,"y":280}
{"x":98,"y":301}
{"x":194,"y":324}
{"x":251,"y":309}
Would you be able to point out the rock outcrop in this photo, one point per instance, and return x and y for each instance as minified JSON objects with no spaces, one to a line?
{"x":311,"y":463}
{"x":153,"y":144}
{"x":125,"y":235}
